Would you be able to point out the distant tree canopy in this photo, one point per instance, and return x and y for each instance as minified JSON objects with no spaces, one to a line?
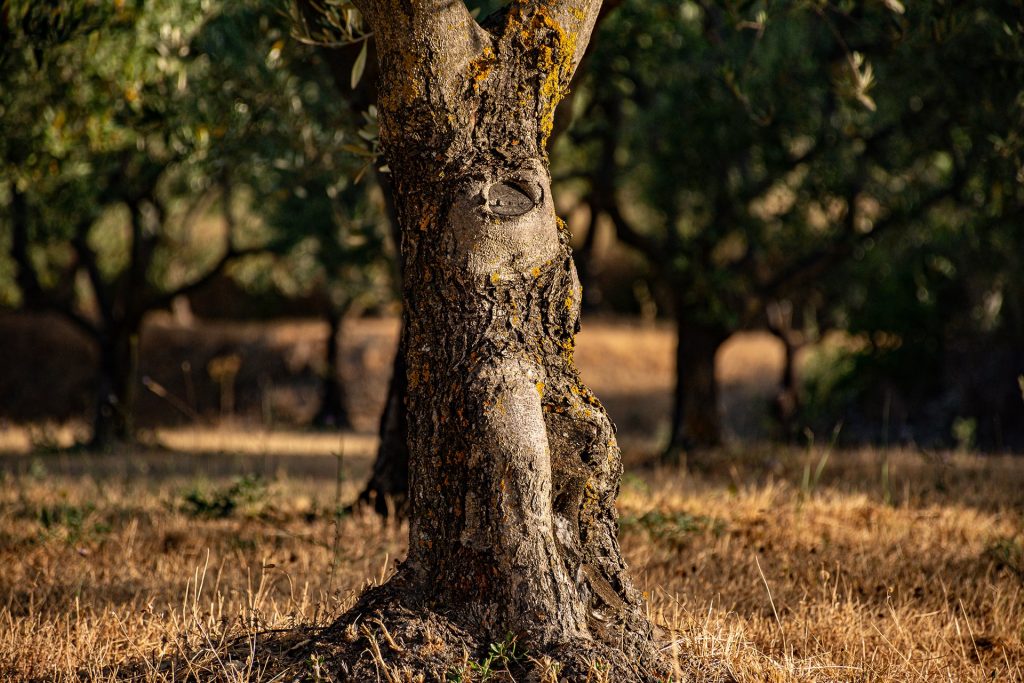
{"x":748,"y":152}
{"x":124,"y":127}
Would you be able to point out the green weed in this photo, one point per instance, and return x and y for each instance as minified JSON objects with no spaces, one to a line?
{"x":223,"y":503}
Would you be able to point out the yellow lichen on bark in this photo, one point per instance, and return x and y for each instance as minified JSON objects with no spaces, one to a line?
{"x":555,"y":49}
{"x":404,"y":84}
{"x":481,"y":67}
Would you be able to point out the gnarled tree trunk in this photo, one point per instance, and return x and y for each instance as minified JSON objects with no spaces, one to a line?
{"x":514,"y":467}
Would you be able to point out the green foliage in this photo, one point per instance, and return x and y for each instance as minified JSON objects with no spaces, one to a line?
{"x":224,"y":502}
{"x":71,"y":523}
{"x":141,"y":114}
{"x":150,"y":148}
{"x":860,"y":160}
{"x":1007,"y":553}
{"x":673,"y":527}
{"x":501,"y":657}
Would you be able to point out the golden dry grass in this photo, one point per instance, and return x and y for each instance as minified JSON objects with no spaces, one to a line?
{"x":136,"y":564}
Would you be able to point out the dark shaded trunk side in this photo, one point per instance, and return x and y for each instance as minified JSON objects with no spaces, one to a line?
{"x":388,"y":486}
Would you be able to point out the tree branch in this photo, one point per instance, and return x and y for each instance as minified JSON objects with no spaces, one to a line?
{"x":577,"y":19}
{"x":87,"y":258}
{"x":424,"y":43}
{"x":829,"y":255}
{"x":630,"y":236}
{"x":231,"y":253}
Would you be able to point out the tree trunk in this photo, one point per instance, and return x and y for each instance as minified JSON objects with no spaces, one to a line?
{"x":114,"y":416}
{"x":388,"y":487}
{"x":333,"y":411}
{"x":786,"y":404}
{"x":513,"y":462}
{"x":696,"y":421}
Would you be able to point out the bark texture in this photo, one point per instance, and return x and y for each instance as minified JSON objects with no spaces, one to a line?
{"x":513,"y":464}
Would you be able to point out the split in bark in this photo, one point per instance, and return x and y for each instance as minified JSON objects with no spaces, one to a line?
{"x":513,"y":462}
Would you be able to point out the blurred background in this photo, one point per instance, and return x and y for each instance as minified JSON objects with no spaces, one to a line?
{"x":792,"y":221}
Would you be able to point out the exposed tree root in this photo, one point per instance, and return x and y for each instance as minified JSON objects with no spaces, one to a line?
{"x":392,"y":637}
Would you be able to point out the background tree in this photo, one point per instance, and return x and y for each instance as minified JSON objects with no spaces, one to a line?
{"x":777,"y":156}
{"x":116,"y":148}
{"x":337,"y":253}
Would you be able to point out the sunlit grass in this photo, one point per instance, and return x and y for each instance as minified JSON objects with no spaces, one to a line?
{"x":750,"y":573}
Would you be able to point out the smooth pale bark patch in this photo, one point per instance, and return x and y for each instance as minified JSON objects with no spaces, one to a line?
{"x":504,"y":226}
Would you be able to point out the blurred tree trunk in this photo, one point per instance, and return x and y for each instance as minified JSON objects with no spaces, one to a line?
{"x":513,"y":463}
{"x":114,"y":412}
{"x":696,"y":422}
{"x":333,"y":411}
{"x":786,"y":404}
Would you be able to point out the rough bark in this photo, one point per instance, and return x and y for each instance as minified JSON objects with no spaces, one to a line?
{"x":514,"y":467}
{"x":696,"y":422}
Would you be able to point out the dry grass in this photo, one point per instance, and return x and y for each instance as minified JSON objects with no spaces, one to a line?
{"x":153,"y":564}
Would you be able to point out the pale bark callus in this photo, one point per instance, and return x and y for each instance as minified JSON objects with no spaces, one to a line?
{"x":514,"y":467}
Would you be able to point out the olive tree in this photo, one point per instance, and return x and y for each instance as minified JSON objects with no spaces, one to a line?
{"x":124,"y":126}
{"x":514,"y":467}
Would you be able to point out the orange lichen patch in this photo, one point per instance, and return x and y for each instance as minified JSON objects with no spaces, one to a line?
{"x":495,"y":278}
{"x":481,"y":67}
{"x":426,"y":219}
{"x":555,"y":50}
{"x":540,"y":389}
{"x":535,"y":271}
